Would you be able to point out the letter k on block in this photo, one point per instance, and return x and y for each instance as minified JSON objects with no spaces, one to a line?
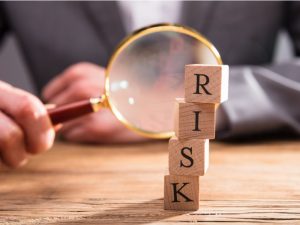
{"x":181,"y":192}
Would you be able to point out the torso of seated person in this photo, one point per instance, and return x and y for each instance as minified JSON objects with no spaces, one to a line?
{"x":55,"y":35}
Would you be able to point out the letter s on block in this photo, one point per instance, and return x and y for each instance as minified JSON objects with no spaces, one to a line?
{"x":189,"y":158}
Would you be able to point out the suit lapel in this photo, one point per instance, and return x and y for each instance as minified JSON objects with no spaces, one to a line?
{"x":198,"y":14}
{"x":106,"y":18}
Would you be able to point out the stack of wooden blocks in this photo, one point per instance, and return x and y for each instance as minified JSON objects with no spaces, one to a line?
{"x":206,"y":86}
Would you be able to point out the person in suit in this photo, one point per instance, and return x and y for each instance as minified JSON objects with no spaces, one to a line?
{"x":64,"y":43}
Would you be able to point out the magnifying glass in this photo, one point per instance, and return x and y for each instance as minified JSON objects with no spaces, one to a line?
{"x":144,"y":76}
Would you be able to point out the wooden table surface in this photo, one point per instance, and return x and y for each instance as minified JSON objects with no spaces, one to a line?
{"x":123,"y":184}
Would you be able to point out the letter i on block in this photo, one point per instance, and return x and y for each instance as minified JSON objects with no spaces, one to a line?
{"x":181,"y":192}
{"x":194,"y":120}
{"x":188,"y":157}
{"x":206,"y":83}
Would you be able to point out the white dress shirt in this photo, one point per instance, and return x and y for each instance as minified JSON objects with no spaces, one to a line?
{"x":138,"y":14}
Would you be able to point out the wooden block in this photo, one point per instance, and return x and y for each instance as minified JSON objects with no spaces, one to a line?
{"x":194,"y":120}
{"x":181,"y":192}
{"x":206,"y":83}
{"x":188,"y":157}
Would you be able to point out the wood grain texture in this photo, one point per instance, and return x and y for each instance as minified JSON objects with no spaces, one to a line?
{"x":206,"y":83}
{"x":181,"y":193}
{"x":194,"y":120}
{"x":251,"y":183}
{"x":188,"y":157}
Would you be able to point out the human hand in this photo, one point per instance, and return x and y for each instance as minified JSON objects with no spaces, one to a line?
{"x":25,"y":127}
{"x":79,"y":82}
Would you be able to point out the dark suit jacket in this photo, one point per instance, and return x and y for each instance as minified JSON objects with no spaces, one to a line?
{"x":263,"y":97}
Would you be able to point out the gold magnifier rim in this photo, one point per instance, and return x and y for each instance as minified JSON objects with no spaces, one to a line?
{"x":127,"y":41}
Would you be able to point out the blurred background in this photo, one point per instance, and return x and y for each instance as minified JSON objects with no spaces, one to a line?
{"x":14,"y":71}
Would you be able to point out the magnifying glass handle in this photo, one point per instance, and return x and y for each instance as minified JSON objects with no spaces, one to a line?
{"x":73,"y":110}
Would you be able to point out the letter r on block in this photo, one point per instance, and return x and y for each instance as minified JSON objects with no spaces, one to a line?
{"x":206,"y":83}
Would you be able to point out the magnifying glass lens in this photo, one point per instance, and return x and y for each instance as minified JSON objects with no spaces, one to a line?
{"x":148,"y":74}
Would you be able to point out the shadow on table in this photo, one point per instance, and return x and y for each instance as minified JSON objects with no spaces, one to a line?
{"x":126,"y":213}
